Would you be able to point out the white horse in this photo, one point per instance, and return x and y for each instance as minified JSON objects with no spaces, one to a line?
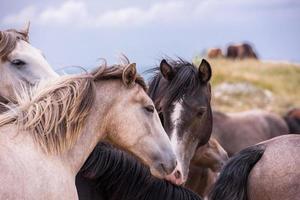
{"x":20,"y":63}
{"x":46,"y":138}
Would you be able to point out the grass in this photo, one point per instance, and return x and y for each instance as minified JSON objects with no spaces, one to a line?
{"x":281,"y":79}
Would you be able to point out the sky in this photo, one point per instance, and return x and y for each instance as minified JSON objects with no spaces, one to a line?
{"x":78,"y":33}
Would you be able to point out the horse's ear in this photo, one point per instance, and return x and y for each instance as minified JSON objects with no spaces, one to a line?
{"x":25,"y":30}
{"x":27,"y":26}
{"x":204,"y":71}
{"x":166,"y":70}
{"x":129,"y":74}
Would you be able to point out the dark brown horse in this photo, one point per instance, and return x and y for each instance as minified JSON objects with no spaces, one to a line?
{"x":240,"y":51}
{"x":236,"y":131}
{"x":112,"y":174}
{"x":205,"y":166}
{"x":269,"y":170}
{"x":181,"y":93}
{"x":292,"y":119}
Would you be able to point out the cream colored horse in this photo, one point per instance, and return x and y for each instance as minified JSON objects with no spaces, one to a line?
{"x":47,"y":137}
{"x":20,"y":63}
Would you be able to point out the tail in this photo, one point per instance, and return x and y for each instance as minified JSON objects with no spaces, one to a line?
{"x":232,"y":182}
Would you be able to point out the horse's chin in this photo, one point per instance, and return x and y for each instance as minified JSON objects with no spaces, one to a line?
{"x":171,"y":178}
{"x":157,"y":173}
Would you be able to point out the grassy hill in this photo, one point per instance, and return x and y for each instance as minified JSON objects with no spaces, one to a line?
{"x":247,"y":84}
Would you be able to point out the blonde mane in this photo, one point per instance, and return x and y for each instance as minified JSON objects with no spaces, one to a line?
{"x":56,"y":113}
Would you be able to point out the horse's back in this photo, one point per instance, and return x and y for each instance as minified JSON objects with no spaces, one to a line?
{"x":237,"y":131}
{"x":276,"y":175}
{"x":240,"y":130}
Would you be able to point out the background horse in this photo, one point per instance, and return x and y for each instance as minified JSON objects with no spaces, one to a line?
{"x":211,"y":155}
{"x":111,"y":174}
{"x":205,"y":166}
{"x":240,"y":51}
{"x":59,"y":125}
{"x":269,"y":170}
{"x":292,"y":118}
{"x":214,"y":53}
{"x":20,"y":64}
{"x":236,"y":131}
{"x":181,"y":93}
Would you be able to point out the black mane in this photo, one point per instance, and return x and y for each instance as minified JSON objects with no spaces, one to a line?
{"x":186,"y":80}
{"x":117,"y":175}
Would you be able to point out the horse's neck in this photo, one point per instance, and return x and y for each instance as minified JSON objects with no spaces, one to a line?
{"x":219,"y":116}
{"x":92,"y":133}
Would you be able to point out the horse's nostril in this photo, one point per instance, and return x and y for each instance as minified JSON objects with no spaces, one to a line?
{"x":168,"y":169}
{"x":177,"y":174}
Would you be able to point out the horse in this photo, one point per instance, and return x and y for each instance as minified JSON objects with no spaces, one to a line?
{"x":112,"y":174}
{"x":241,"y":51}
{"x":211,"y":155}
{"x":214,"y":53}
{"x":189,"y":71}
{"x":268,"y":170}
{"x":54,"y":127}
{"x":181,"y":93}
{"x":205,"y":166}
{"x":138,"y":182}
{"x":236,"y":131}
{"x":292,"y":118}
{"x":20,"y":63}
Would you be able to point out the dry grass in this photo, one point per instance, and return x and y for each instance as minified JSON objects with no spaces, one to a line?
{"x":281,"y":79}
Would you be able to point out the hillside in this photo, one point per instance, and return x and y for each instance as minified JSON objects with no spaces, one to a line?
{"x":248,"y":84}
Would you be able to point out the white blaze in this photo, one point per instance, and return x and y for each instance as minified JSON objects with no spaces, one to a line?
{"x":175,"y":118}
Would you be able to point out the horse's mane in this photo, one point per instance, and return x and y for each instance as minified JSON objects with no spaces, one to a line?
{"x":55,"y":113}
{"x":186,"y":79}
{"x":121,"y":176}
{"x":9,"y":39}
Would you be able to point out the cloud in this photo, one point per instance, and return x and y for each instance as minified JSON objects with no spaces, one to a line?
{"x":68,"y":12}
{"x":158,"y":13}
{"x":76,"y":13}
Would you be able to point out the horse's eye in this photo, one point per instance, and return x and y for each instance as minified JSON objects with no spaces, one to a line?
{"x":201,"y":112}
{"x":149,"y":108}
{"x":18,"y":63}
